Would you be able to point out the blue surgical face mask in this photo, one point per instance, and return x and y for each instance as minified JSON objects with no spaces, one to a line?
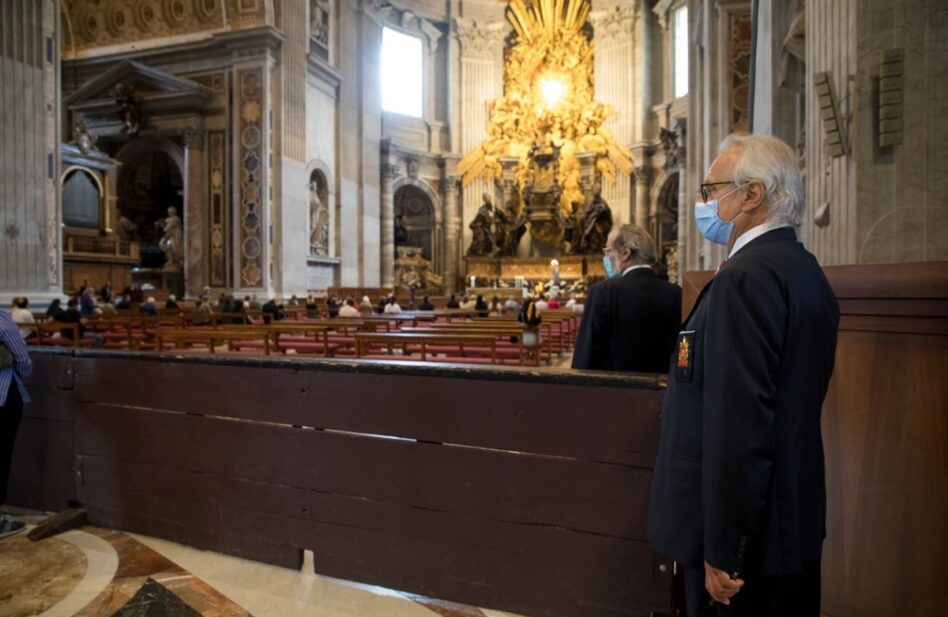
{"x":710,"y":224}
{"x":607,"y":264}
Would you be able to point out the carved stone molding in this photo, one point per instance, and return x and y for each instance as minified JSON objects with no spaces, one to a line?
{"x":412,"y":163}
{"x":614,"y":25}
{"x":390,"y":171}
{"x":479,"y":39}
{"x":643,"y":174}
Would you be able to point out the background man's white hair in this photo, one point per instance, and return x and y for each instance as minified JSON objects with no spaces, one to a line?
{"x":637,"y":239}
{"x":771,"y":161}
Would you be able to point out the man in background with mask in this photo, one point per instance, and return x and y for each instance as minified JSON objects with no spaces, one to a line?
{"x":738,"y":494}
{"x":630,"y":319}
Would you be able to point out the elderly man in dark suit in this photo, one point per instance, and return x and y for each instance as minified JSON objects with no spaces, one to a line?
{"x":630,"y":319}
{"x":738,"y":495}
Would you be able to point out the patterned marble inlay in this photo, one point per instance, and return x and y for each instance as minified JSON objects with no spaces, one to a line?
{"x":36,"y":575}
{"x":252,"y":166}
{"x":740,"y":58}
{"x":218,"y":207}
{"x":44,"y":578}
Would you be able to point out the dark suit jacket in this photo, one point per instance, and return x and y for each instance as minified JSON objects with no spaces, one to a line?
{"x":629,"y":324}
{"x":739,"y":479}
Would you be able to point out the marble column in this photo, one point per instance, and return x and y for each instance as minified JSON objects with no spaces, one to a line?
{"x":643,"y":181}
{"x":452,"y":232}
{"x":195,"y":212}
{"x":389,"y":173}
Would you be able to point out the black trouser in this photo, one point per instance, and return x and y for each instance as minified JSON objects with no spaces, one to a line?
{"x":761,"y":596}
{"x":10,"y":415}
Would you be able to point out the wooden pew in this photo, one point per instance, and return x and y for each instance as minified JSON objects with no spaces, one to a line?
{"x":545,"y":343}
{"x":366,"y":340}
{"x":504,"y":348}
{"x":181,"y":338}
{"x":46,"y":333}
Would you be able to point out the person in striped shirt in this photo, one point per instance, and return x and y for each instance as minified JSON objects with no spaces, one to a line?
{"x":15,"y":366}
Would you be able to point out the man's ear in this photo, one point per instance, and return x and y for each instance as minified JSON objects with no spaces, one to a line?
{"x":754,"y":194}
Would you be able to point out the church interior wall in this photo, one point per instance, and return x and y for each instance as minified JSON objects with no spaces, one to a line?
{"x":901,"y":188}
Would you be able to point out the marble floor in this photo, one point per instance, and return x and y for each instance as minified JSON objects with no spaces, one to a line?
{"x":93,"y":572}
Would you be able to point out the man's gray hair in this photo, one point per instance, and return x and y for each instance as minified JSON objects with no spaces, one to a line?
{"x":637,"y":239}
{"x":771,"y":161}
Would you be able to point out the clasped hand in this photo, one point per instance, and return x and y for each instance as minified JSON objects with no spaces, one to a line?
{"x":720,"y":584}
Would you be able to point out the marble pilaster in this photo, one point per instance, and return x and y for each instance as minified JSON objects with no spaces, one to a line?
{"x":196,"y":214}
{"x":452,"y":232}
{"x":389,"y":173}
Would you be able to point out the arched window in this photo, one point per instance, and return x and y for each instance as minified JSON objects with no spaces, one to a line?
{"x":81,"y":200}
{"x":402,"y":67}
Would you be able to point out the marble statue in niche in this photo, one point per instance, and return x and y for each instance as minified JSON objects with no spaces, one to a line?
{"x":171,"y":242}
{"x":318,"y":221}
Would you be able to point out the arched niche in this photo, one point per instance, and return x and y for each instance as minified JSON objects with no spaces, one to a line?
{"x":151,"y":178}
{"x":319,"y":175}
{"x":418,"y":208}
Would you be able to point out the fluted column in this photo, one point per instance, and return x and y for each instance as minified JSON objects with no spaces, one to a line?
{"x":389,"y":173}
{"x":452,"y":232}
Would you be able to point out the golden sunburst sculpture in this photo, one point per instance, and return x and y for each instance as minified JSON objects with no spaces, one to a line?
{"x":548,"y":97}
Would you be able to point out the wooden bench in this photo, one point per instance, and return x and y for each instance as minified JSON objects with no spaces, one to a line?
{"x":53,"y":333}
{"x":508,"y":341}
{"x":365,"y":341}
{"x":181,"y":338}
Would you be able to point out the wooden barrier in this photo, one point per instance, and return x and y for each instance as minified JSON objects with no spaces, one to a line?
{"x":488,"y":486}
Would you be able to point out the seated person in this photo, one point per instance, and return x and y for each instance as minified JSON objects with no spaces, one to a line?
{"x":274,"y":309}
{"x":426,"y":304}
{"x":20,"y":314}
{"x":72,"y":315}
{"x":348,"y":309}
{"x":365,"y":307}
{"x":392,"y":307}
{"x":56,"y":311}
{"x":171,"y":302}
{"x":87,"y":304}
{"x":453,"y":302}
{"x":542,"y":304}
{"x":148,"y":308}
{"x":481,"y":306}
{"x":511,"y":305}
{"x":334,"y":305}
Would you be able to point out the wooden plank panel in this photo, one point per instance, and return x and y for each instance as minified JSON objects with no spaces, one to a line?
{"x":601,"y":424}
{"x":595,"y":497}
{"x":51,"y":371}
{"x":441,"y":568}
{"x":543,"y":541}
{"x":41,"y":474}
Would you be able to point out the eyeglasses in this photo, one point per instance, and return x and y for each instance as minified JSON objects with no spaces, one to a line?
{"x":705,"y":188}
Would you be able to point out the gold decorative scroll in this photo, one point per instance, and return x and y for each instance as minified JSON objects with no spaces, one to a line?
{"x":552,"y":55}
